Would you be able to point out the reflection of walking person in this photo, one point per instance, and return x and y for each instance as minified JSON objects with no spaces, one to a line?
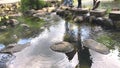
{"x":68,"y":2}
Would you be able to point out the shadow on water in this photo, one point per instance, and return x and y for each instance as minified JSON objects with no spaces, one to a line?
{"x":73,"y":35}
{"x":88,"y":58}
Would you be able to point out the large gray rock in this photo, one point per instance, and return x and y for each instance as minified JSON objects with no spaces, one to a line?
{"x":64,"y":47}
{"x":98,"y":47}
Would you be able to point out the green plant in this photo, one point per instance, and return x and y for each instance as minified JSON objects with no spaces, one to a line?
{"x":32,"y":4}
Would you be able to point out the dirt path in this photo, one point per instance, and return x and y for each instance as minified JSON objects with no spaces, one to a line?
{"x":8,"y":1}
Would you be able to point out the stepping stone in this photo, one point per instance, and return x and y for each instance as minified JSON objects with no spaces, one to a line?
{"x":98,"y":13}
{"x":79,"y":11}
{"x":96,"y":46}
{"x":64,"y":47}
{"x":114,"y":15}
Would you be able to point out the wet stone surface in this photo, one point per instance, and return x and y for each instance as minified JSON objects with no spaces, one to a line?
{"x":4,"y":59}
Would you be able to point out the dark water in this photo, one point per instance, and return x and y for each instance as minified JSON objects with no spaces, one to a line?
{"x":89,"y":58}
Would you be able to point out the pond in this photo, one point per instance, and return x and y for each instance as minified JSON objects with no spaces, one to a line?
{"x":39,"y":55}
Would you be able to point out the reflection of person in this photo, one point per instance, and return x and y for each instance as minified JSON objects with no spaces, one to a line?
{"x":79,"y":4}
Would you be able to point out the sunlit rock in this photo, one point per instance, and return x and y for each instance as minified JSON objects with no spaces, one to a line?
{"x":64,"y":47}
{"x":98,"y":47}
{"x":3,"y":27}
{"x":51,"y":9}
{"x":64,"y":7}
{"x":78,"y":19}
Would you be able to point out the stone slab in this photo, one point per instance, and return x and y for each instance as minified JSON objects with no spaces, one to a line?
{"x":98,"y":13}
{"x":79,"y":11}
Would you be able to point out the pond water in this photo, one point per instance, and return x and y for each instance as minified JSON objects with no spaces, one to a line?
{"x":39,"y":54}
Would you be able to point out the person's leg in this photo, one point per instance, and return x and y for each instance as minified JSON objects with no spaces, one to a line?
{"x":79,"y":4}
{"x":70,"y":2}
{"x":65,"y":2}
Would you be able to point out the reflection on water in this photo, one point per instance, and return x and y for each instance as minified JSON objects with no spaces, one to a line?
{"x":112,"y":60}
{"x":39,"y":54}
{"x":23,"y":41}
{"x":2,"y":46}
{"x":75,"y":34}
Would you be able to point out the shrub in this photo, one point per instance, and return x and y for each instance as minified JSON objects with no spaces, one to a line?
{"x":32,"y":4}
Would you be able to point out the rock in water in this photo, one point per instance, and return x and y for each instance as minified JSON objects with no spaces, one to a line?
{"x":13,"y":48}
{"x":98,"y":47}
{"x":64,"y":47}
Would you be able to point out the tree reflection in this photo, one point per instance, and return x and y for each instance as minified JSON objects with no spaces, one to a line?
{"x":73,"y":35}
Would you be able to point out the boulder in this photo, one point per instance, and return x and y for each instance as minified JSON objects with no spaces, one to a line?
{"x":96,"y":46}
{"x":64,"y":47}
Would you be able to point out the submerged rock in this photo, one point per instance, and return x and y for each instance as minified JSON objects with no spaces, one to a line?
{"x":64,"y":47}
{"x":13,"y":48}
{"x":98,"y":47}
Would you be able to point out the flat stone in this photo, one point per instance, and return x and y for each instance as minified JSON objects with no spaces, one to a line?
{"x":114,"y":15}
{"x":64,"y":7}
{"x":51,"y":9}
{"x":79,"y":11}
{"x":64,"y":47}
{"x":98,"y":13}
{"x":96,"y":46}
